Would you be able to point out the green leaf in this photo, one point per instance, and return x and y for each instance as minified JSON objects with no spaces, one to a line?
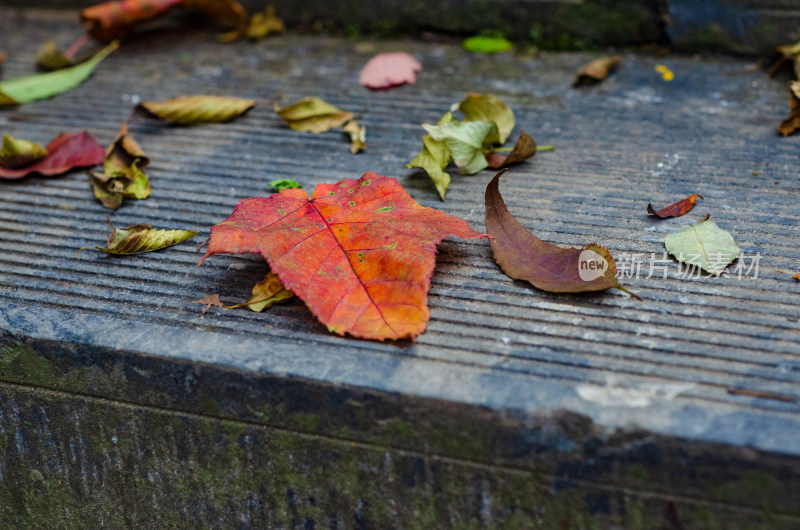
{"x":43,"y":86}
{"x":487,"y":42}
{"x":465,"y":140}
{"x":284,"y":184}
{"x":313,"y":115}
{"x":486,"y":107}
{"x":198,"y":109}
{"x":703,"y":244}
{"x":433,"y":158}
{"x":141,"y":238}
{"x":266,"y":293}
{"x":19,"y":153}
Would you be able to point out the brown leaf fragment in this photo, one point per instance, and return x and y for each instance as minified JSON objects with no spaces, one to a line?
{"x":51,"y":58}
{"x":187,"y":110}
{"x":762,"y":394}
{"x":208,"y":301}
{"x":596,"y":71}
{"x":785,"y":57}
{"x":792,"y":123}
{"x":2,"y":57}
{"x":524,"y":149}
{"x":675,"y":209}
{"x":523,"y":256}
{"x":797,"y":276}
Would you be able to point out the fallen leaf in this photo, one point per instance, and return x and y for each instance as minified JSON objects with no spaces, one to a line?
{"x":433,"y":158}
{"x":2,"y":57}
{"x":666,"y":73}
{"x":797,"y":276}
{"x":487,"y":42}
{"x":51,"y":58}
{"x":123,"y":175}
{"x":264,"y":24}
{"x":389,"y":70}
{"x":465,"y":141}
{"x":109,"y":20}
{"x":596,"y":71}
{"x":65,"y":152}
{"x":704,"y":245}
{"x":792,"y":123}
{"x":358,"y":136}
{"x":266,"y":293}
{"x":524,"y":149}
{"x":523,"y":256}
{"x":141,"y":238}
{"x":19,"y":153}
{"x":283,"y":184}
{"x":675,"y":209}
{"x":486,"y":107}
{"x":208,"y":301}
{"x":313,"y":115}
{"x":360,"y":253}
{"x":198,"y":109}
{"x":43,"y":86}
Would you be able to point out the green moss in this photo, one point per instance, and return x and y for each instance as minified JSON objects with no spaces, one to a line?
{"x":305,"y":421}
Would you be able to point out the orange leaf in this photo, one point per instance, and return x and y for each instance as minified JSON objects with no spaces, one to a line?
{"x":107,"y":20}
{"x":675,"y":209}
{"x":360,"y":253}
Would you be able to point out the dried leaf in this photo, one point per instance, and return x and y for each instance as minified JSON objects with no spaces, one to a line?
{"x":797,"y":276}
{"x":787,"y":56}
{"x":123,"y":175}
{"x":358,"y":136}
{"x":360,"y":253}
{"x":487,"y":42}
{"x":486,"y":107}
{"x":141,"y":238}
{"x":65,"y":152}
{"x":198,"y":109}
{"x":524,"y":149}
{"x":675,"y":209}
{"x":208,"y":301}
{"x":110,"y":20}
{"x":596,"y":71}
{"x":523,"y":256}
{"x":2,"y":57}
{"x":465,"y":141}
{"x":283,"y":184}
{"x":43,"y":86}
{"x":389,"y":70}
{"x":266,"y":293}
{"x":433,"y":158}
{"x":704,"y":245}
{"x":792,"y":123}
{"x":313,"y":115}
{"x":264,"y":24}
{"x":19,"y":153}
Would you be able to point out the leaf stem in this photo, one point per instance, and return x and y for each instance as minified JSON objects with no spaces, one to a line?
{"x":545,"y":148}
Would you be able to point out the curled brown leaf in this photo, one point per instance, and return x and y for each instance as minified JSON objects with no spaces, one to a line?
{"x":524,"y":149}
{"x":792,"y":123}
{"x":596,"y":71}
{"x":675,"y":209}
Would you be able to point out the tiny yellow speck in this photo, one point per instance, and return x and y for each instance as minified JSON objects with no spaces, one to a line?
{"x":666,"y":73}
{"x":755,"y":173}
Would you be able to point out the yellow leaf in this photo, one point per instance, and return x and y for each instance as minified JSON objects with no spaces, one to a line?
{"x":199,"y":109}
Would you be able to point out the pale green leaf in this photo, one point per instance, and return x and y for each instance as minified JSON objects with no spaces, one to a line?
{"x":465,"y":140}
{"x":43,"y":86}
{"x":703,"y":244}
{"x":19,"y":153}
{"x":123,"y":175}
{"x":198,"y":109}
{"x":433,"y":158}
{"x":141,"y":238}
{"x":358,"y":136}
{"x":313,"y":115}
{"x":486,"y":107}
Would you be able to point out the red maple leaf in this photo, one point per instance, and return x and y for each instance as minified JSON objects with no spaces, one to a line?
{"x":360,"y":253}
{"x":65,"y":152}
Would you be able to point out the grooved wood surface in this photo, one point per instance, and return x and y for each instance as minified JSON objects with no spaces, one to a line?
{"x":712,"y":359}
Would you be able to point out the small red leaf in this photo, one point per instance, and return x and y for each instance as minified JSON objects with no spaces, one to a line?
{"x":359,"y":253}
{"x":108,"y":19}
{"x":675,"y":209}
{"x":65,"y":152}
{"x":389,"y":70}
